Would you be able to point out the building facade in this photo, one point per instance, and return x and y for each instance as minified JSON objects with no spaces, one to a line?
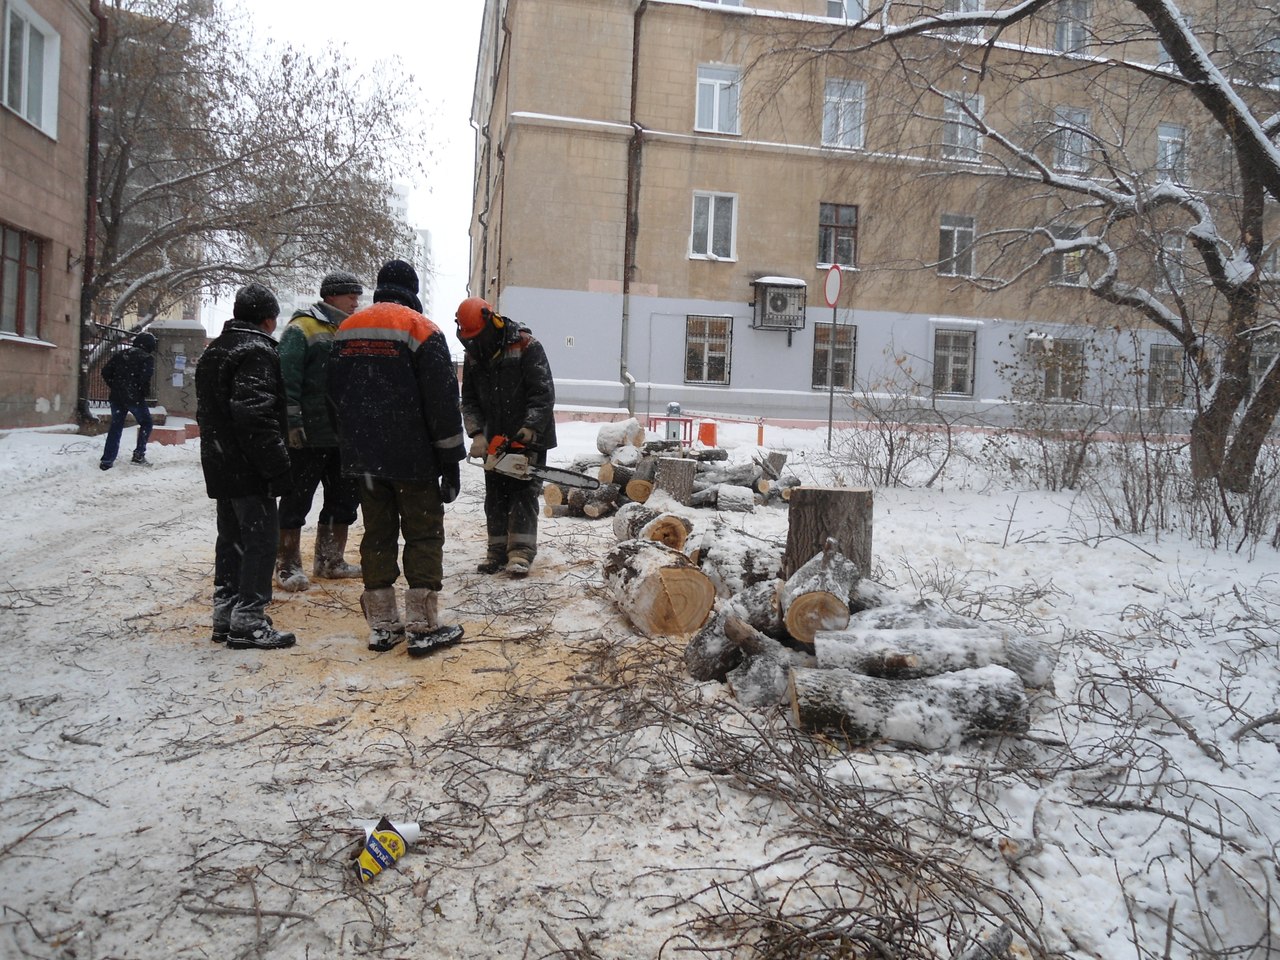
{"x":663,"y":188}
{"x":44,"y":119}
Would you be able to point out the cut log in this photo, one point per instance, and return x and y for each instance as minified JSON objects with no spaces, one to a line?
{"x":760,"y":682}
{"x":709,"y":454}
{"x":619,"y":433}
{"x":558,"y":510}
{"x":586,"y":463}
{"x":627,"y":456}
{"x":601,"y":501}
{"x":640,"y":487}
{"x":659,"y":590}
{"x":675,"y":476}
{"x":819,"y":513}
{"x":553,"y":495}
{"x":933,"y":713}
{"x":575,"y":498}
{"x":615,"y":473}
{"x":724,"y":642}
{"x":816,"y":597}
{"x":630,"y":518}
{"x":759,"y":606}
{"x":910,"y":653}
{"x":776,"y":489}
{"x":772,"y":463}
{"x":738,"y":474}
{"x":900,"y":615}
{"x":655,"y":448}
{"x":728,"y":497}
{"x":731,"y":560}
{"x":667,"y":528}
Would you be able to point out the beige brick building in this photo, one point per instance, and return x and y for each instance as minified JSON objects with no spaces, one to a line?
{"x":44,"y":117}
{"x":662,"y":189}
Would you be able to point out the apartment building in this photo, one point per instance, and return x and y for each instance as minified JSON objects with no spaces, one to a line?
{"x":44,"y":117}
{"x":664,"y":186}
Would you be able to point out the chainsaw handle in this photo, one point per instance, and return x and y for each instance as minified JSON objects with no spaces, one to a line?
{"x":500,"y":444}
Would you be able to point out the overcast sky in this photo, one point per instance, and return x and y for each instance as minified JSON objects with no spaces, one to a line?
{"x":437,"y":43}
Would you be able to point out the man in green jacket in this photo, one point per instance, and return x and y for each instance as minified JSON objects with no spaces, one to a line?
{"x":313,"y":439}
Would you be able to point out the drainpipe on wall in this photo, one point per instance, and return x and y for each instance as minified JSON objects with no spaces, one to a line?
{"x":88,"y":263}
{"x":635,"y":150}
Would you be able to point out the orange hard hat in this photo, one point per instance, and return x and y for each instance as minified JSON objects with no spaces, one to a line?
{"x":473,"y":316}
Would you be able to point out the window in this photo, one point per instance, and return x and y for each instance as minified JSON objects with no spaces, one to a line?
{"x":846,"y":9}
{"x":1068,"y":265}
{"x":1165,"y":383}
{"x":1265,"y":351}
{"x":1071,"y":139}
{"x":963,"y":6}
{"x":1060,"y":364}
{"x":954,"y":353}
{"x":706,"y":349}
{"x":839,"y":360}
{"x":955,"y":245}
{"x":1172,"y":275}
{"x":842,"y":113}
{"x":30,"y":76}
{"x":960,"y":136}
{"x":1070,"y":35}
{"x":21,"y":269}
{"x":838,"y":234}
{"x":1171,"y":152}
{"x":714,"y":226}
{"x":717,"y":109}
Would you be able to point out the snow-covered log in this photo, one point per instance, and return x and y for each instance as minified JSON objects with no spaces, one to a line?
{"x":675,"y":476}
{"x":571,"y":498}
{"x":902,"y":615}
{"x":601,"y":501}
{"x":658,"y":589}
{"x":611,"y":472}
{"x":724,"y":642}
{"x":737,"y":474}
{"x":732,"y":560}
{"x":759,"y":606}
{"x":709,"y":454}
{"x":636,"y":521}
{"x":760,"y":682}
{"x":619,"y":433}
{"x":640,"y":487}
{"x":728,"y":497}
{"x":933,"y":713}
{"x":816,"y":514}
{"x":816,"y":596}
{"x":910,"y":653}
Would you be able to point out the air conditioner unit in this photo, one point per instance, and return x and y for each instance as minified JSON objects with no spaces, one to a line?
{"x":779,"y":304}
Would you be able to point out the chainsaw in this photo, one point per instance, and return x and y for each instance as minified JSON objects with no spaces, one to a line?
{"x":505,"y":457}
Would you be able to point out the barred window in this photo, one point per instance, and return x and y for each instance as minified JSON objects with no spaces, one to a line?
{"x":954,"y":359}
{"x":707,"y":342}
{"x":838,"y":359}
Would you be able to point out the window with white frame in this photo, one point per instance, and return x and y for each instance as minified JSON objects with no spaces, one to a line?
{"x":1171,"y":152}
{"x":714,"y":226}
{"x":1171,"y":263}
{"x":838,"y":234}
{"x":1166,"y":385}
{"x":1071,"y":139}
{"x":960,"y":136}
{"x":954,"y":359}
{"x":21,"y":271}
{"x":707,"y":342}
{"x":1059,"y":362}
{"x":963,"y":6}
{"x":1067,"y":266}
{"x":846,"y":9}
{"x":843,"y":109}
{"x":955,"y":245}
{"x":1071,"y":31}
{"x":835,"y":354}
{"x":31,"y":53}
{"x":717,"y":107}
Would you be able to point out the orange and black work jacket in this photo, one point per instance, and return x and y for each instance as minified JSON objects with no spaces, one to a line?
{"x":509,"y":389}
{"x":394,"y":389}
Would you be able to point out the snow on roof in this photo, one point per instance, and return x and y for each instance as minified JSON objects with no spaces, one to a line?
{"x":780,"y":282}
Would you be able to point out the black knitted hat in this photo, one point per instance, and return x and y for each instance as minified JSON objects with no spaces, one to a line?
{"x":145,"y":341}
{"x":398,"y":283}
{"x":338,"y":282}
{"x":255,"y":303}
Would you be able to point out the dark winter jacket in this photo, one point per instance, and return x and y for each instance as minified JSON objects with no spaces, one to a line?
{"x":304,"y":360}
{"x":128,"y":373}
{"x":240,"y":407}
{"x":509,"y":386}
{"x":393,"y":386}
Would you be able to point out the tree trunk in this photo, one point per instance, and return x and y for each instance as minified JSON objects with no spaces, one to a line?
{"x":816,"y":597}
{"x":658,"y":589}
{"x":1251,"y":433}
{"x":675,"y":476}
{"x":933,"y":713}
{"x":619,"y":433}
{"x":817,"y":513}
{"x":911,"y":653}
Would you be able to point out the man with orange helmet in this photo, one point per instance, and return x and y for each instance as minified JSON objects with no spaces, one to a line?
{"x":508,"y":391}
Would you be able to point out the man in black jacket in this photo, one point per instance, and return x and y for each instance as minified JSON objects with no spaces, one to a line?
{"x":507,"y":391}
{"x":128,"y":374}
{"x":240,"y":406}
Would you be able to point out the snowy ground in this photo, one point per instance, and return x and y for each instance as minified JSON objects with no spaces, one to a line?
{"x":163,"y":797}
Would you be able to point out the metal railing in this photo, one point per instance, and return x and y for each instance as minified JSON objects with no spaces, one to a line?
{"x":103,"y":342}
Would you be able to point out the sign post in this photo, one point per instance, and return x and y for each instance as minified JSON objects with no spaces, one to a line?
{"x":832,"y":292}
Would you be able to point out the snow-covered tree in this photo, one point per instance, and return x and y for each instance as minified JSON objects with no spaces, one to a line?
{"x":223,"y":160}
{"x":1129,"y":148}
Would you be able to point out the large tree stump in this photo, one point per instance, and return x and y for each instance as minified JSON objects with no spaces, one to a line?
{"x":933,"y":713}
{"x":816,"y":596}
{"x":661,"y":592}
{"x":640,"y":487}
{"x":817,"y":514}
{"x":619,"y":433}
{"x":675,"y":476}
{"x":910,"y":653}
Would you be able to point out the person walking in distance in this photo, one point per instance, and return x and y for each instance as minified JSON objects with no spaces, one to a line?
{"x":313,"y":439}
{"x":240,"y":406}
{"x":507,"y":391}
{"x":393,"y":385}
{"x":128,"y":375}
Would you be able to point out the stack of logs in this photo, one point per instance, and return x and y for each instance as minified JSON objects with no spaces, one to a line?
{"x":630,"y":468}
{"x":803,"y":624}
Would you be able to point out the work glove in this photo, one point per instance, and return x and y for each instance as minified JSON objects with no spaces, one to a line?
{"x":479,"y":447}
{"x":525,"y":435}
{"x":450,"y":482}
{"x":297,"y":438}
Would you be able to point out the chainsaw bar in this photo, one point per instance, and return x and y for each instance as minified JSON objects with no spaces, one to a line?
{"x":565,"y":478}
{"x":518,"y":466}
